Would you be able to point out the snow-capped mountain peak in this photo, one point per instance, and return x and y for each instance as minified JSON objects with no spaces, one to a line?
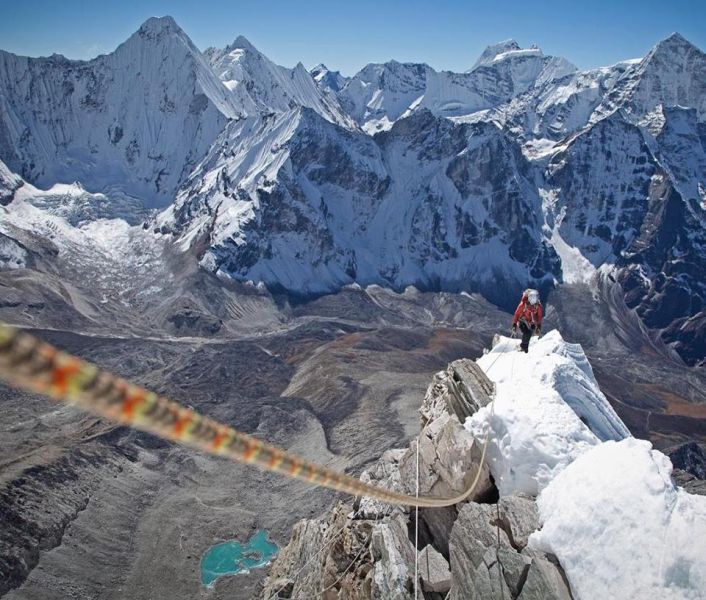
{"x":244,"y":44}
{"x":672,"y":74}
{"x":332,"y":80}
{"x":491,"y":52}
{"x":156,"y":26}
{"x":136,"y":119}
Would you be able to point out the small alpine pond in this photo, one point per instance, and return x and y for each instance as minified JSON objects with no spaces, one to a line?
{"x":231,"y":558}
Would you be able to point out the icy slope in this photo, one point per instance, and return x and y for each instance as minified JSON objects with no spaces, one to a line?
{"x":611,"y":513}
{"x":548,"y":411}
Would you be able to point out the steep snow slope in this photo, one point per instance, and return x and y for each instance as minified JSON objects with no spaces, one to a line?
{"x":380,"y":94}
{"x":137,"y":119}
{"x":308,"y":207}
{"x":603,"y":180}
{"x":260,"y":83}
{"x":611,"y":513}
{"x":558,"y":107}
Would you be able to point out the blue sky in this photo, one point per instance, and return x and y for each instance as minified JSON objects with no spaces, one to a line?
{"x":347,"y":35}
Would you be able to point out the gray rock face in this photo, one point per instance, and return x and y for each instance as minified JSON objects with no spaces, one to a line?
{"x":519,"y":518}
{"x":449,"y":459}
{"x":486,"y":544}
{"x":434,"y":571}
{"x":486,"y":562}
{"x":689,"y":457}
{"x":460,"y":390}
{"x":393,"y":555}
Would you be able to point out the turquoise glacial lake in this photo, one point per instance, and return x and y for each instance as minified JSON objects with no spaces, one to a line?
{"x":231,"y":558}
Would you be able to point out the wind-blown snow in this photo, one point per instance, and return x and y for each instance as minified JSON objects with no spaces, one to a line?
{"x":549,"y":410}
{"x":622,"y":529}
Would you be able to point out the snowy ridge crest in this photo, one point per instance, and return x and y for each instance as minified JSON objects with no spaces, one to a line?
{"x":548,"y":410}
{"x":610,"y":511}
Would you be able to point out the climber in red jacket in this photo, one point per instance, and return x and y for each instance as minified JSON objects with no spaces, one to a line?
{"x":529,"y":317}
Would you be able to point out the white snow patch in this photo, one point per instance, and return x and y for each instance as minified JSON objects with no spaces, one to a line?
{"x":540,"y":148}
{"x":575,"y":267}
{"x":622,"y":529}
{"x":548,"y":411}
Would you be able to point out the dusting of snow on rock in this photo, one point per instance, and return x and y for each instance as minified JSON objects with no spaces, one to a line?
{"x":622,"y":529}
{"x":549,"y":410}
{"x":12,"y":254}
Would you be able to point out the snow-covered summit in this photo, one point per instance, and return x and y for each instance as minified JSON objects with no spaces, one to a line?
{"x":380,"y":94}
{"x":492,"y":51}
{"x":137,"y":119}
{"x":673,"y":73}
{"x":158,"y":26}
{"x":333,"y":80}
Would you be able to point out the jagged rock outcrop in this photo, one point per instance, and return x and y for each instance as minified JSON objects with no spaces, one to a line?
{"x":434,"y":571}
{"x":461,"y":389}
{"x":689,"y":462}
{"x":490,"y":558}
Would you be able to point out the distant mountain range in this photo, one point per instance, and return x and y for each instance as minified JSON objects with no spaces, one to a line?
{"x":520,"y":171}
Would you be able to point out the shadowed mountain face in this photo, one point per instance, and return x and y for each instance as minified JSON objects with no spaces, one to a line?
{"x":274,"y":289}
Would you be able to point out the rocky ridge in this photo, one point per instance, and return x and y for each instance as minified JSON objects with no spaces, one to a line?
{"x":475,"y":550}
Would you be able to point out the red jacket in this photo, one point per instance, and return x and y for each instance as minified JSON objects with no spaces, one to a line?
{"x":529,"y":313}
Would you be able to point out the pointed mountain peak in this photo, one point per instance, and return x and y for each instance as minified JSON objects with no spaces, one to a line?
{"x":674,"y":42}
{"x":155,"y":26}
{"x":675,"y":38}
{"x":159,"y":30}
{"x":494,"y":50}
{"x":319,"y":69}
{"x":675,"y":47}
{"x":242,"y":43}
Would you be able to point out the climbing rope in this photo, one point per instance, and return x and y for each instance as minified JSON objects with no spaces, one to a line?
{"x":28,"y":363}
{"x":416,"y":522}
